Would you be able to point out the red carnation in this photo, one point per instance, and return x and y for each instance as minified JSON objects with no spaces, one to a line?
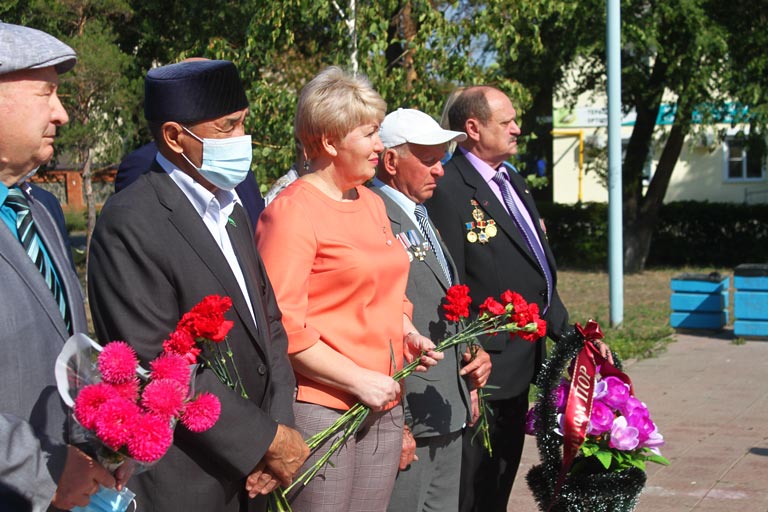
{"x":89,"y":400}
{"x":115,"y":420}
{"x":171,"y":366}
{"x":508,"y":297}
{"x":150,"y":439}
{"x":457,"y":302}
{"x":181,"y":342}
{"x":201,"y":413}
{"x":164,"y":397}
{"x":117,"y":362}
{"x":206,"y":319}
{"x":492,"y":306}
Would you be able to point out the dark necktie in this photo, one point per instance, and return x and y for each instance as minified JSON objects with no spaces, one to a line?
{"x":525,"y":229}
{"x":431,"y":237}
{"x":33,"y":244}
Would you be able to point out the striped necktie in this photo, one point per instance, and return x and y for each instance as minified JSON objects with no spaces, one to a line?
{"x":426,"y":230}
{"x":525,"y":230}
{"x":32,"y":243}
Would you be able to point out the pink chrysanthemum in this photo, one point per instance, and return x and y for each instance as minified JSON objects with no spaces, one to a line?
{"x":89,"y":400}
{"x":117,"y":362}
{"x":171,"y":366}
{"x":150,"y":439}
{"x":115,"y":421}
{"x":201,"y":413}
{"x":128,"y":390}
{"x":164,"y":397}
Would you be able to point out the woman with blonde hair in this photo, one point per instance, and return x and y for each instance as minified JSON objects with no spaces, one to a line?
{"x":340,"y":276}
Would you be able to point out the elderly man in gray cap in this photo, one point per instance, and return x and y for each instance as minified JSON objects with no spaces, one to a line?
{"x":438,"y":404}
{"x":175,"y":236}
{"x":41,"y":301}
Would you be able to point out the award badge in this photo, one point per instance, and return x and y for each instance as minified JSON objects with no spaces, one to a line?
{"x":413,"y":245}
{"x":481,"y":230}
{"x":418,"y":247}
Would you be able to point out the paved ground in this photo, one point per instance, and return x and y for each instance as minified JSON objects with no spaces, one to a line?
{"x":709,"y":398}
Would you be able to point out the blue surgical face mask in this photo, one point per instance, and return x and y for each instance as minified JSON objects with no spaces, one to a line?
{"x":108,"y":500}
{"x":226,"y":162}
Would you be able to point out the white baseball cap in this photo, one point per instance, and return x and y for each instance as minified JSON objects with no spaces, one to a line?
{"x":409,"y":125}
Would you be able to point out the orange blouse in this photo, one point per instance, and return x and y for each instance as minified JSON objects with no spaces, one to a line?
{"x":339,"y":276}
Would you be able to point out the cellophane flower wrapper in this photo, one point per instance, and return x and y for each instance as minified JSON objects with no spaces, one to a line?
{"x":588,"y":484}
{"x":122,"y":413}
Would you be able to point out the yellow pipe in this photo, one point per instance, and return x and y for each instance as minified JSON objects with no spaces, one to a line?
{"x":580,"y":135}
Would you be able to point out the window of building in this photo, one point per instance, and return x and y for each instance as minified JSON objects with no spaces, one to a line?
{"x":739,"y":163}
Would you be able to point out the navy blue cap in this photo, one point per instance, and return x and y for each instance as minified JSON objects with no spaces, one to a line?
{"x":193,"y":91}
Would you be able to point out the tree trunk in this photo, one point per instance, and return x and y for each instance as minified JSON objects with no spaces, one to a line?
{"x":639,"y":232}
{"x":91,"y":219}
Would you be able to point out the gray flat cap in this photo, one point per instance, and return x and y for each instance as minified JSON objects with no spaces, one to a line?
{"x":28,"y":48}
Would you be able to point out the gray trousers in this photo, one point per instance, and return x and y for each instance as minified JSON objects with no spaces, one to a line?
{"x":361,"y":474}
{"x":430,"y":484}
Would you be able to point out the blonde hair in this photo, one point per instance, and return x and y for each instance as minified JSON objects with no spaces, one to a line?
{"x":332,"y":104}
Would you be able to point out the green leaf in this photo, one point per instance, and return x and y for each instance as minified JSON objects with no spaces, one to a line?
{"x":658,"y":459}
{"x":605,"y":458}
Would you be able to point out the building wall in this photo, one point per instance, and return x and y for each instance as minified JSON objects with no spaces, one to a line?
{"x":698,"y":176}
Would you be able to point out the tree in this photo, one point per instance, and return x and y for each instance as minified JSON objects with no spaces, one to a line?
{"x":535,"y":42}
{"x":675,"y":52}
{"x":98,"y":93}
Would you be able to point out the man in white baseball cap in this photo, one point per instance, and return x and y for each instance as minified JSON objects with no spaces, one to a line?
{"x":41,"y":303}
{"x":437,"y":404}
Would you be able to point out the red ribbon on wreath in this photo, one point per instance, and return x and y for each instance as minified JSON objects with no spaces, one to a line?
{"x":578,"y":409}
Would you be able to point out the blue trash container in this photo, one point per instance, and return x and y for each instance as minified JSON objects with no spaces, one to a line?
{"x":750,"y":300}
{"x":699,"y":301}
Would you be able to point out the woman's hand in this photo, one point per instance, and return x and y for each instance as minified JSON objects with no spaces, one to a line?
{"x":375,"y":389}
{"x":414,"y":344}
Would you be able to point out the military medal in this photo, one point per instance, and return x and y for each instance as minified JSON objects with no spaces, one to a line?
{"x":486,"y":229}
{"x":406,"y":245}
{"x":491,"y":229}
{"x":419,"y":249}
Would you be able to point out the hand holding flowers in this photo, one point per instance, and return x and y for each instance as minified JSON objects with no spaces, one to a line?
{"x":513,"y":315}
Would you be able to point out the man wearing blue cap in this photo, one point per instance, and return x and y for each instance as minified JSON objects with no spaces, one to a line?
{"x":189,"y":237}
{"x":41,"y":301}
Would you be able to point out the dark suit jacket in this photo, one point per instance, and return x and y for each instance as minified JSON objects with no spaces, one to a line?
{"x":144,"y":275}
{"x":139,"y":161}
{"x":505,"y":262}
{"x":33,"y":419}
{"x":437,"y":402}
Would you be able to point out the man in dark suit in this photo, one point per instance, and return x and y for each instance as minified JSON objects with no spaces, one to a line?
{"x":189,"y":238}
{"x":139,"y":161}
{"x":437,"y":404}
{"x":494,"y":252}
{"x":41,"y":303}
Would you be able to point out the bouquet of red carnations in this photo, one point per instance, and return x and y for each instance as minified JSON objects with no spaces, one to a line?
{"x":512,"y":314}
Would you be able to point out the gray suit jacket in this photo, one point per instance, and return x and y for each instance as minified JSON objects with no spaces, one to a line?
{"x":436,"y":402}
{"x":33,"y":419}
{"x":152,"y":260}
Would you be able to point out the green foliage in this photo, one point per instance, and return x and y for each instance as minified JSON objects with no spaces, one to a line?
{"x":687,"y":233}
{"x":710,"y":234}
{"x":612,"y":459}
